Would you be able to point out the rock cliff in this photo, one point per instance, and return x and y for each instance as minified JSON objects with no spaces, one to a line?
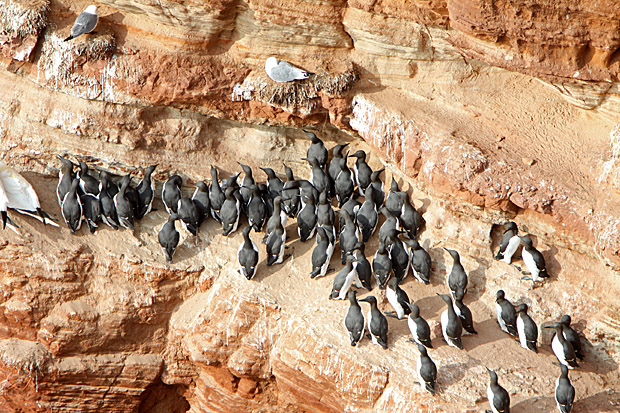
{"x":483,"y":111}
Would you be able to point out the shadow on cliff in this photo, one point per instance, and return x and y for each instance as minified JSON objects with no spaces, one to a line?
{"x":605,"y":401}
{"x":295,"y":249}
{"x":535,"y":404}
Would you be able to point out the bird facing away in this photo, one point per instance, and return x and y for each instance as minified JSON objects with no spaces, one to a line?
{"x":282,"y":71}
{"x":506,"y":314}
{"x":377,"y":323}
{"x":427,"y":370}
{"x":354,"y":321}
{"x":564,"y":391}
{"x":499,"y":399}
{"x":169,"y":237}
{"x":85,"y":22}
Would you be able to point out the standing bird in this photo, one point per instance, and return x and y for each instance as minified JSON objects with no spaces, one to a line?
{"x":534,"y":260}
{"x":451,"y":326}
{"x":349,"y":236}
{"x":397,"y":298}
{"x":146,"y":193}
{"x":410,"y":219}
{"x":509,"y":244}
{"x":367,"y":215}
{"x":230,"y":212}
{"x":85,"y":22}
{"x":318,"y":177}
{"x":247,"y":186}
{"x":88,"y":183}
{"x":344,"y":185}
{"x":352,"y":207}
{"x":562,"y":348}
{"x":322,"y":254}
{"x":389,"y":224}
{"x":333,"y":168}
{"x":377,"y":323}
{"x":91,"y":208}
{"x":399,"y":254}
{"x":378,"y":186}
{"x":420,"y":261}
{"x":171,"y":193}
{"x":306,"y":220}
{"x":362,"y":172}
{"x":317,"y":149}
{"x":344,"y":280}
{"x":362,"y":265}
{"x":72,"y":208}
{"x":276,"y":243}
{"x":278,"y":215}
{"x":457,"y":277}
{"x":527,"y":329}
{"x":564,"y":391}
{"x":354,"y":321}
{"x":169,"y":237}
{"x":247,"y":255}
{"x":394,"y":201}
{"x":571,"y":336}
{"x":499,"y":399}
{"x":256,"y":210}
{"x":189,"y":213}
{"x":274,"y":184}
{"x":65,"y":178}
{"x":506,"y":314}
{"x":419,"y":328}
{"x":290,"y":194}
{"x":124,"y":208}
{"x":381,"y":265}
{"x":216,"y":195}
{"x":108,"y":210}
{"x":427,"y":370}
{"x":281,"y":71}
{"x":201,"y":199}
{"x":464,"y":313}
{"x":325,"y":216}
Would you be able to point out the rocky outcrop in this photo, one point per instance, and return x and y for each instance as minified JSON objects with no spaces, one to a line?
{"x":482,"y":111}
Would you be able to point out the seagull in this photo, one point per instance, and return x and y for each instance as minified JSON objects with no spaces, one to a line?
{"x":85,"y":22}
{"x":282,"y":71}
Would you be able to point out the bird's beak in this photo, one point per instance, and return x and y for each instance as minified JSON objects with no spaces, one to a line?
{"x":4,"y":219}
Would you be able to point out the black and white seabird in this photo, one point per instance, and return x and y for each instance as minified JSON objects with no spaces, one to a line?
{"x":562,"y":348}
{"x":527,"y":329}
{"x":325,"y":216}
{"x":464,"y":313}
{"x":419,"y":328}
{"x":509,"y":244}
{"x":399,"y":254}
{"x":316,"y":149}
{"x":65,"y":178}
{"x":334,"y":165}
{"x":247,"y":255}
{"x":306,"y":219}
{"x":499,"y":399}
{"x":506,"y":314}
{"x":267,"y":199}
{"x":201,"y":199}
{"x":382,"y":266}
{"x":171,"y":193}
{"x":362,"y":265}
{"x":451,"y":325}
{"x":88,"y":183}
{"x":397,"y":298}
{"x":108,"y":210}
{"x":352,"y":206}
{"x":349,"y":236}
{"x":378,"y":186}
{"x":344,"y":184}
{"x":278,"y":215}
{"x":72,"y":207}
{"x":85,"y":22}
{"x":457,"y":277}
{"x":344,"y":280}
{"x":274,"y":184}
{"x":377,"y":323}
{"x":124,"y":208}
{"x":189,"y":213}
{"x":256,"y":210}
{"x":367,"y":215}
{"x":571,"y":336}
{"x":169,"y":237}
{"x":318,"y":177}
{"x":276,"y":243}
{"x":230,"y":212}
{"x":91,"y":208}
{"x":132,"y":195}
{"x":534,"y":260}
{"x":354,"y":321}
{"x":362,"y":171}
{"x":564,"y":391}
{"x":394,"y":200}
{"x":322,"y":254}
{"x":410,"y":219}
{"x":427,"y":371}
{"x":247,"y":186}
{"x":216,"y":195}
{"x":390,"y":223}
{"x":420,"y":261}
{"x":290,"y":194}
{"x":146,"y":193}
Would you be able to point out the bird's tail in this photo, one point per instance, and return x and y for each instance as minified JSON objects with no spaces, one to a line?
{"x":69,"y":38}
{"x":308,"y":74}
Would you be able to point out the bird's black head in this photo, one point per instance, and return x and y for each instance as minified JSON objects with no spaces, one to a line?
{"x":370,"y":299}
{"x":522,"y":308}
{"x":566,"y":320}
{"x":499,"y":295}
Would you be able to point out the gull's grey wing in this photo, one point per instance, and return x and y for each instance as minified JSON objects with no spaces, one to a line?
{"x":85,"y":23}
{"x":285,"y":72}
